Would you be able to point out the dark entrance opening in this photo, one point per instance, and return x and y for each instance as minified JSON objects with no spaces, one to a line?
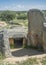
{"x":18,"y":42}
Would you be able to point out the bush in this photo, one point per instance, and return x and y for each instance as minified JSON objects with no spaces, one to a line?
{"x":22,"y":16}
{"x":7,"y":16}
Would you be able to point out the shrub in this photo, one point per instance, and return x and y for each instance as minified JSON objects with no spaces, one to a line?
{"x":22,"y":16}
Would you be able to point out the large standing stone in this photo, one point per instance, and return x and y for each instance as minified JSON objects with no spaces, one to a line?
{"x":35,"y":28}
{"x":7,"y":51}
{"x":44,"y":33}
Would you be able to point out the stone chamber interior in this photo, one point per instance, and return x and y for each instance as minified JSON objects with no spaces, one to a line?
{"x":16,"y":42}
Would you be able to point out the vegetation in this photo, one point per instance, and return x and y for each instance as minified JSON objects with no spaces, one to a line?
{"x":24,"y":46}
{"x":43,"y":61}
{"x":13,"y":17}
{"x":6,"y":16}
{"x":22,"y":16}
{"x":12,"y":46}
{"x":19,"y":17}
{"x":1,"y":57}
{"x":29,"y":61}
{"x":10,"y":15}
{"x":44,"y":12}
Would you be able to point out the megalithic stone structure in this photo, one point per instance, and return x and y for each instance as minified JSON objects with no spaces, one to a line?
{"x":5,"y":34}
{"x":36,"y":33}
{"x":7,"y":51}
{"x":44,"y":35}
{"x":35,"y":28}
{"x":4,"y":44}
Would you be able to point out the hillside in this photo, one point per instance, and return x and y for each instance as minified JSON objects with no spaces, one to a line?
{"x":20,"y":17}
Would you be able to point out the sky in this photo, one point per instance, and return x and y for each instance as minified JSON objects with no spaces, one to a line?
{"x":22,"y":5}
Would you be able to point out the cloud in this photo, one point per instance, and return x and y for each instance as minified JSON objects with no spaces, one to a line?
{"x":16,"y":7}
{"x":20,"y":7}
{"x":41,"y":7}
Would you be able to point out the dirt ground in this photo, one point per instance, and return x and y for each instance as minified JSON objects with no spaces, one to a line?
{"x":21,"y":54}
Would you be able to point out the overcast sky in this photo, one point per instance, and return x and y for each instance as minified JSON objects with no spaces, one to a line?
{"x":21,"y":5}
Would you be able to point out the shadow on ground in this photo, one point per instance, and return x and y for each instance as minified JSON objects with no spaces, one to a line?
{"x":24,"y":52}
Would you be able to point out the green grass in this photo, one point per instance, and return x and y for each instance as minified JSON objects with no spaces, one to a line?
{"x":5,"y":63}
{"x":30,"y":61}
{"x":12,"y":46}
{"x":43,"y":61}
{"x":1,"y":57}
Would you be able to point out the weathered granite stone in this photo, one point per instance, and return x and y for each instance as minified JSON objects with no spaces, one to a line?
{"x":1,"y":43}
{"x":35,"y":28}
{"x":12,"y":33}
{"x":24,"y":42}
{"x":7,"y":51}
{"x":44,"y":35}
